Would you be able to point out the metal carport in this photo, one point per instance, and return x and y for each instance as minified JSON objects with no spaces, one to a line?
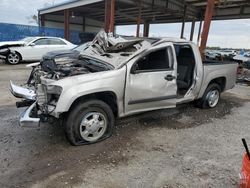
{"x":110,"y":13}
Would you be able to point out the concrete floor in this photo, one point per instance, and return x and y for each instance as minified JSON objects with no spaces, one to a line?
{"x":182,"y":147}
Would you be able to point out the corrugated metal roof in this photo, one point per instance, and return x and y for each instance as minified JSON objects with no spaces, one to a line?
{"x":154,"y":11}
{"x":66,"y":5}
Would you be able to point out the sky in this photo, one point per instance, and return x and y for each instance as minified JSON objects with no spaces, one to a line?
{"x":226,"y":34}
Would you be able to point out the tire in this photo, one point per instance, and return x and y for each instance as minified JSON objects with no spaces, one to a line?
{"x":89,"y":122}
{"x":210,"y":97}
{"x":13,"y":58}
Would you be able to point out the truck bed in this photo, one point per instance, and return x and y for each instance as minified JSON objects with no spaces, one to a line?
{"x":215,"y":62}
{"x":218,"y":69}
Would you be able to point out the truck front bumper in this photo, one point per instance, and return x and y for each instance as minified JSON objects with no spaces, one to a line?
{"x":29,"y":117}
{"x":26,"y":120}
{"x":21,"y":92}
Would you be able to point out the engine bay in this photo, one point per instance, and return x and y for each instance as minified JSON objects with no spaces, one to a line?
{"x":55,"y":70}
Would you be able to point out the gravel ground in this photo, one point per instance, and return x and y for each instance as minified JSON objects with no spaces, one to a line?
{"x":181,"y":147}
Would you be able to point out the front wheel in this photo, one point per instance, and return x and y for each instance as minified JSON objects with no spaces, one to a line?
{"x":13,"y":58}
{"x":210,"y":97}
{"x":89,"y":122}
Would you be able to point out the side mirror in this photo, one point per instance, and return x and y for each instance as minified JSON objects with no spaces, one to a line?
{"x":32,"y":44}
{"x":134,"y":69}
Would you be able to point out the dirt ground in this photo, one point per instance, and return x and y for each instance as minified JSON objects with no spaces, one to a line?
{"x":182,"y":147}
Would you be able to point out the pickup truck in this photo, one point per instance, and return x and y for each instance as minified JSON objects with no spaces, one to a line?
{"x":114,"y":77}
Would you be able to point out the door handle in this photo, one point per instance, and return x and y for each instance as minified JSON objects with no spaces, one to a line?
{"x":169,"y":77}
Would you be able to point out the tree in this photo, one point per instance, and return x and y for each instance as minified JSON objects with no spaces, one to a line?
{"x":32,"y":19}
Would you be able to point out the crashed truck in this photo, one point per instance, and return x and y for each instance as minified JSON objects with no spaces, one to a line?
{"x":114,"y":77}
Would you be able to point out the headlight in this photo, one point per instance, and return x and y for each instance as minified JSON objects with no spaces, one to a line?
{"x":53,"y":89}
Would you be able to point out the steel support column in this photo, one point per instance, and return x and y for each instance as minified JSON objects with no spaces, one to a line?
{"x":42,"y":23}
{"x":109,"y":16}
{"x":83,"y":23}
{"x":206,"y":26}
{"x":112,"y":17}
{"x":183,"y":21}
{"x":138,"y":21}
{"x":199,"y":32}
{"x":66,"y":24}
{"x":146,"y":29}
{"x":192,"y":30}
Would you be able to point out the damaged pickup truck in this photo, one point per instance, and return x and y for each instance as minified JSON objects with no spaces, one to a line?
{"x":115,"y":77}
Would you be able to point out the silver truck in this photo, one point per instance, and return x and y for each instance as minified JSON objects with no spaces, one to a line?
{"x":114,"y":77}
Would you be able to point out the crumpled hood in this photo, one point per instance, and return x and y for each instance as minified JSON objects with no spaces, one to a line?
{"x":61,"y":53}
{"x":11,"y":43}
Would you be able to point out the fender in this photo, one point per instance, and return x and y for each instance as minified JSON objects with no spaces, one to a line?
{"x":79,"y":86}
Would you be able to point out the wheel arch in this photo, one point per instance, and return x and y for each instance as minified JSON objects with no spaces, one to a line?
{"x":15,"y":51}
{"x":109,"y":97}
{"x":221,"y":81}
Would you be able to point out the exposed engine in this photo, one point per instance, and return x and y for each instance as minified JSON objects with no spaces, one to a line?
{"x":55,"y":70}
{"x":52,"y":69}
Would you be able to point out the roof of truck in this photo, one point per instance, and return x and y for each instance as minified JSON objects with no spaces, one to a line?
{"x":117,"y":50}
{"x":157,"y":39}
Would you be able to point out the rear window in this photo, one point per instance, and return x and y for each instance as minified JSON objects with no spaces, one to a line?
{"x":56,"y":42}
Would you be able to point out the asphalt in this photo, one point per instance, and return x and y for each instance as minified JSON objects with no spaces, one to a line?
{"x":181,"y":147}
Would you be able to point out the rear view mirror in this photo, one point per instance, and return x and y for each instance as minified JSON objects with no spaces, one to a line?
{"x":32,"y":44}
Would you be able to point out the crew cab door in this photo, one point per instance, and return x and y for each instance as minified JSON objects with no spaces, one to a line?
{"x":151,"y":80}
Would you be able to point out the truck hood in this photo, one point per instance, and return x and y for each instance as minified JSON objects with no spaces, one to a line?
{"x":61,"y":54}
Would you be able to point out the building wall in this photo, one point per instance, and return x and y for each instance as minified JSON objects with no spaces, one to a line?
{"x":76,"y":24}
{"x":59,"y":25}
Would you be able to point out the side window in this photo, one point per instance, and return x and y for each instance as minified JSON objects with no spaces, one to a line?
{"x":41,"y":42}
{"x":157,"y":60}
{"x":56,"y":42}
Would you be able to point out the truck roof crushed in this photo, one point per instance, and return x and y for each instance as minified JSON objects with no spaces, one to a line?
{"x":115,"y":50}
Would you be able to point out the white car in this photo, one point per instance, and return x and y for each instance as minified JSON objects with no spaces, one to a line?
{"x":228,"y":53}
{"x":32,"y":48}
{"x":242,"y":58}
{"x":213,"y":55}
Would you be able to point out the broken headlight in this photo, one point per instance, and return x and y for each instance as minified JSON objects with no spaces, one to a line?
{"x":54,"y":89}
{"x":53,"y":93}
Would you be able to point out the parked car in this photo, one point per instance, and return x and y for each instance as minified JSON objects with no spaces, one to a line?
{"x":228,"y":54}
{"x":212,"y":55}
{"x":243,"y":60}
{"x":32,"y":48}
{"x":117,"y":77}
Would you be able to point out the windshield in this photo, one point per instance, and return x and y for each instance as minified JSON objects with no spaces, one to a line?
{"x":81,"y":47}
{"x":28,"y":39}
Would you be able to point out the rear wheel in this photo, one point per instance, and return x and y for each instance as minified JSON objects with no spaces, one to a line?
{"x":210,"y":97}
{"x":89,"y":122}
{"x":13,"y":58}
